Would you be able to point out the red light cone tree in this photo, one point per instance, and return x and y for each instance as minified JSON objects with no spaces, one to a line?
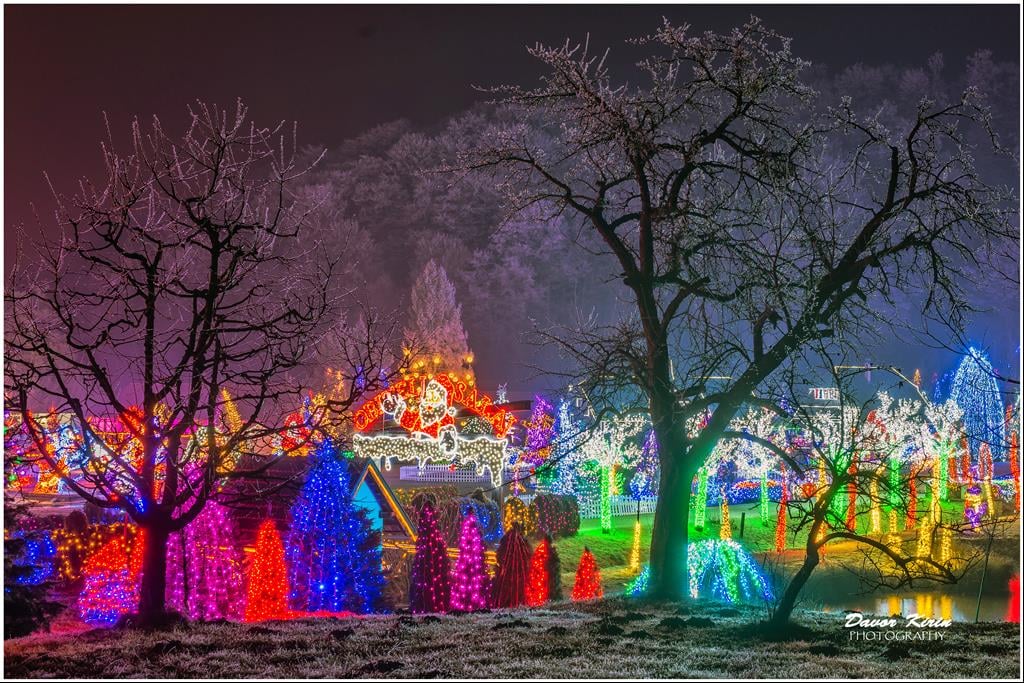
{"x":268,"y":577}
{"x":469,"y":578}
{"x":429,"y":588}
{"x":538,"y":582}
{"x":588,"y":578}
{"x":513,"y":567}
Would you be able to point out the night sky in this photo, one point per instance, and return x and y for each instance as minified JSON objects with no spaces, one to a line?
{"x":342,"y":70}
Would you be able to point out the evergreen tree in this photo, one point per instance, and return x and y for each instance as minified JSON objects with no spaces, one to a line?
{"x":429,"y":588}
{"x":513,"y":568}
{"x":333,"y":553}
{"x":554,"y":567}
{"x":435,"y":331}
{"x":26,"y":607}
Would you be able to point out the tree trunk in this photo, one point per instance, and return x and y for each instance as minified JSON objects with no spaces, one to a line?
{"x":670,"y":536}
{"x":152,"y":596}
{"x":811,"y":559}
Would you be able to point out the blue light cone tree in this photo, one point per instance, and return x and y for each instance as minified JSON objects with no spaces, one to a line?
{"x":332,"y":551}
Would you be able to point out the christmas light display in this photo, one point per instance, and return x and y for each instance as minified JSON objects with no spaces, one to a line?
{"x":611,"y":442}
{"x":701,"y":499}
{"x":332,"y":551}
{"x":639,"y":585}
{"x":725,"y":525}
{"x":267,"y":594}
{"x":204,"y":568}
{"x":556,"y":515}
{"x":483,"y":452}
{"x":509,"y":587}
{"x":469,"y":581}
{"x":538,"y":581}
{"x":606,"y":500}
{"x":429,"y":587}
{"x":1015,"y":470}
{"x":425,"y":406}
{"x":727,"y":571}
{"x":876,"y":508}
{"x":634,"y":554}
{"x":974,"y":507}
{"x":588,"y":578}
{"x":977,"y":393}
{"x":112,"y":580}
{"x":946,"y":548}
{"x":644,"y":482}
{"x":540,"y":432}
{"x":780,"y":520}
{"x":567,"y":452}
{"x":37,"y":558}
{"x":518,"y":512}
{"x":763,"y":500}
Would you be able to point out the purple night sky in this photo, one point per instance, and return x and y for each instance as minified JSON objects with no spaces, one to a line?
{"x":340,"y":71}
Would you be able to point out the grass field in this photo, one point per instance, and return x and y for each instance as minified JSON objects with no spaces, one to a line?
{"x":609,"y":638}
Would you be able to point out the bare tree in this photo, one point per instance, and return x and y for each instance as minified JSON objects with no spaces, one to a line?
{"x":746,"y":223}
{"x":864,"y":465}
{"x":185,"y":277}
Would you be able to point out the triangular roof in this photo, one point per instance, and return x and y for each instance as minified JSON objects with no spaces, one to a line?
{"x":392,"y":512}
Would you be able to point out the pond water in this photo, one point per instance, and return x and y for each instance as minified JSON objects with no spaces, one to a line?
{"x":932,"y":604}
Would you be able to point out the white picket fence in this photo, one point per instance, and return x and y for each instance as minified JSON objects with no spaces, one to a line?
{"x":621,"y":506}
{"x":445,"y":474}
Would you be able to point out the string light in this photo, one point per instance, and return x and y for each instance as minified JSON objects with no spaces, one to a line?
{"x":509,"y":588}
{"x":701,"y":501}
{"x":483,"y":452}
{"x":429,"y":587}
{"x":538,"y":581}
{"x":333,"y":553}
{"x":780,"y":521}
{"x":634,"y":555}
{"x":518,"y":512}
{"x":112,"y":580}
{"x":204,"y":568}
{"x":268,"y":577}
{"x":725,"y":525}
{"x":469,"y":578}
{"x":588,"y":578}
{"x":728,"y":571}
{"x":977,"y":393}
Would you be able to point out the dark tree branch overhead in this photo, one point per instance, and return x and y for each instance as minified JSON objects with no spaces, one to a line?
{"x":186,"y":279}
{"x":751,"y":224}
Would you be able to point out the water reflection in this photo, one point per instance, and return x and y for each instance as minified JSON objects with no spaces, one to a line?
{"x":938,"y":605}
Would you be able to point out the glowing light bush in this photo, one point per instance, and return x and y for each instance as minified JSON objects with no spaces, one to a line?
{"x":112,"y":580}
{"x":725,"y":570}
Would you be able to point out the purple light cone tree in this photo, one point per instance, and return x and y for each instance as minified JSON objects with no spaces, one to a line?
{"x":204,"y":568}
{"x":469,"y":585}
